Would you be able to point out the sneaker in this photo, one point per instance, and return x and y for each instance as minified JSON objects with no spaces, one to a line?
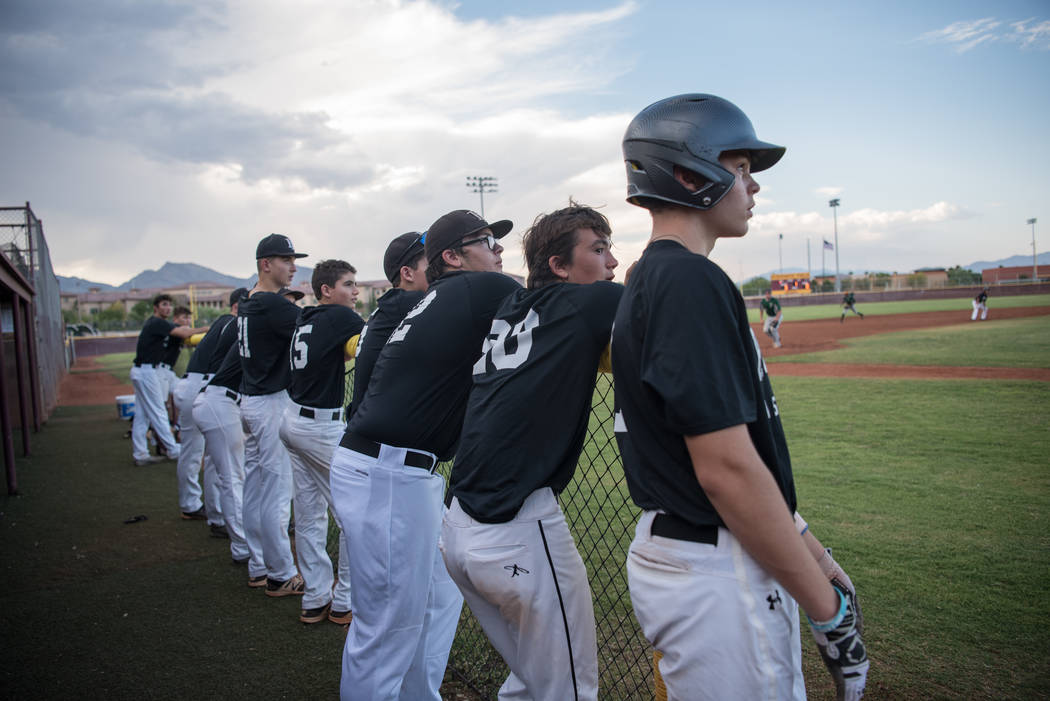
{"x":292,"y":587}
{"x":777,"y":344}
{"x":256,"y":582}
{"x":342,"y":618}
{"x":314,"y":615}
{"x":151,"y":460}
{"x":197,"y":515}
{"x":219,"y":531}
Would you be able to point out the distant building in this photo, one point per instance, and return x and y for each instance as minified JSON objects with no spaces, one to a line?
{"x":1016,"y":273}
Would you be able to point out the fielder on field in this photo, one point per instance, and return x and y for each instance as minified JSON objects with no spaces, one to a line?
{"x":150,"y":382}
{"x":505,"y":539}
{"x":387,"y":495}
{"x":312,"y":426}
{"x":848,"y":300}
{"x":265,"y":323}
{"x":980,"y":305}
{"x":716,"y":565}
{"x":769,"y":309}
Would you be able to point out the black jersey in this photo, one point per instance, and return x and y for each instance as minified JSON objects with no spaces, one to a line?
{"x":981,"y":297}
{"x":228,"y":374}
{"x":317,"y":354}
{"x":418,"y":391}
{"x":202,"y":354}
{"x":527,"y":414}
{"x":685,"y":362}
{"x":227,"y":340}
{"x":171,"y":352}
{"x":388,"y":314}
{"x":265,"y":323}
{"x":153,"y":341}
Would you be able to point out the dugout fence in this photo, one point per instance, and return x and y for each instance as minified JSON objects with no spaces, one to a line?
{"x":601,"y":517}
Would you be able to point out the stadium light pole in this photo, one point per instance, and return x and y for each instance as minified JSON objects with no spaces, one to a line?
{"x":482,"y":184}
{"x":780,"y":246}
{"x":834,"y":204}
{"x":1035,"y":266}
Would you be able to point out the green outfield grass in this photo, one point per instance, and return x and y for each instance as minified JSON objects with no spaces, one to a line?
{"x":1014,"y":343}
{"x":829,"y":311}
{"x":119,"y":364}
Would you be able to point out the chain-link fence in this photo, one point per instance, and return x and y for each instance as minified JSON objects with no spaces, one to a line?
{"x":22,"y":242}
{"x":601,"y":517}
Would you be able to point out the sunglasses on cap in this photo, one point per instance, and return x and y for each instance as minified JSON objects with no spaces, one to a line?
{"x":411,"y":250}
{"x":489,"y":241}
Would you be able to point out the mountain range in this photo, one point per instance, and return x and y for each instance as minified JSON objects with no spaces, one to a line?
{"x":176,"y":274}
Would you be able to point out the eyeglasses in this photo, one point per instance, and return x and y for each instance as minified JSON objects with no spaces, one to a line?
{"x":488,"y":240}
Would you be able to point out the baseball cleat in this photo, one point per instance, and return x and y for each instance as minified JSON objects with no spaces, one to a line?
{"x":197,"y":515}
{"x":292,"y":587}
{"x":256,"y":582}
{"x":342,"y":618}
{"x":151,"y":460}
{"x":219,"y":531}
{"x":314,"y":615}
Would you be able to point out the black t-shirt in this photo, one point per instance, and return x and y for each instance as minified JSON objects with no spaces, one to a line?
{"x":153,"y":341}
{"x":265,"y":323}
{"x":317,"y":355}
{"x":418,"y":391}
{"x":171,"y":353}
{"x":388,"y":314}
{"x":202,"y":354}
{"x":228,"y":374}
{"x":527,"y":414}
{"x":685,"y":362}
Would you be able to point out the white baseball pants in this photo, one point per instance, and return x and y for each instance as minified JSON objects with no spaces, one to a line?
{"x":218,"y":416}
{"x":170,"y":379}
{"x":978,"y":307}
{"x":267,"y":485}
{"x":526,"y":584}
{"x":727,"y":630}
{"x":311,"y":443}
{"x":191,"y":451}
{"x":772,"y":329}
{"x":406,"y":608}
{"x":150,"y":411}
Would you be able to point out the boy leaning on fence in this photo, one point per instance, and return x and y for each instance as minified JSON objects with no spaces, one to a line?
{"x":717,"y":565}
{"x":505,"y":539}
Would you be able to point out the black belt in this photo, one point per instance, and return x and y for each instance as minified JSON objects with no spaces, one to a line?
{"x":145,"y":365}
{"x":413,"y":458}
{"x":233,"y":395}
{"x":309,"y":413}
{"x":668,"y":526}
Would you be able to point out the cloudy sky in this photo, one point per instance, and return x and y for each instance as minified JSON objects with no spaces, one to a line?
{"x":145,"y":132}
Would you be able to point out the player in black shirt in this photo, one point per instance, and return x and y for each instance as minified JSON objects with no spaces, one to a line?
{"x":312,"y":427}
{"x":265,"y":323}
{"x":405,"y":266}
{"x":522,"y":437}
{"x":383,"y":484}
{"x":149,"y":383}
{"x":699,"y":431}
{"x":980,"y":305}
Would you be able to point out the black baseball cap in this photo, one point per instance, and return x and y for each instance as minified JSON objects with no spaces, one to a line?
{"x":400,"y":251}
{"x":238,"y":295}
{"x":276,"y":245}
{"x":296,"y":294}
{"x":455,"y":226}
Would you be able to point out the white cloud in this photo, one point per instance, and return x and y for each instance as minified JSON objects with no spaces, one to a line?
{"x":829,"y":191}
{"x":969,"y":34}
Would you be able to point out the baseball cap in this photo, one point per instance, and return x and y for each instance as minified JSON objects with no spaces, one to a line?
{"x":400,"y":251}
{"x":238,"y":295}
{"x":296,"y":294}
{"x":276,"y":245}
{"x":455,"y":226}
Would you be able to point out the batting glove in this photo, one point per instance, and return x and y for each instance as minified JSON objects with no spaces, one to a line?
{"x":842,"y":649}
{"x":836,"y":575}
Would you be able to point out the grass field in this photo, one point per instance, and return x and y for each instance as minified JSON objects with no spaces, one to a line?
{"x":1015,"y":343}
{"x":833,"y":311}
{"x":934,"y":494}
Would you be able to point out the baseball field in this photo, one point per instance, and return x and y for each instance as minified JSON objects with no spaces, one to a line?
{"x":931,"y":485}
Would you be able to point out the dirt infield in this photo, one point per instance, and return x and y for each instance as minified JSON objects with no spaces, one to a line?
{"x":827,"y":334}
{"x":87,"y":383}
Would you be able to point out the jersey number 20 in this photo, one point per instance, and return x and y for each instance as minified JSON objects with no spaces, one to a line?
{"x":495,"y":346}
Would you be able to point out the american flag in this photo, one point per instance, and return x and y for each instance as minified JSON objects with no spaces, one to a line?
{"x":828,"y":245}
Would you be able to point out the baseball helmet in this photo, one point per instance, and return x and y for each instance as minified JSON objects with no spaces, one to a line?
{"x":690,"y":131}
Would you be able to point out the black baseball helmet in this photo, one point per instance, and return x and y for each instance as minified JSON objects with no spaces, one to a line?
{"x":690,"y":131}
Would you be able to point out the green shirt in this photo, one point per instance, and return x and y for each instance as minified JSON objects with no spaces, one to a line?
{"x":770,"y":306}
{"x":848,"y":299}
